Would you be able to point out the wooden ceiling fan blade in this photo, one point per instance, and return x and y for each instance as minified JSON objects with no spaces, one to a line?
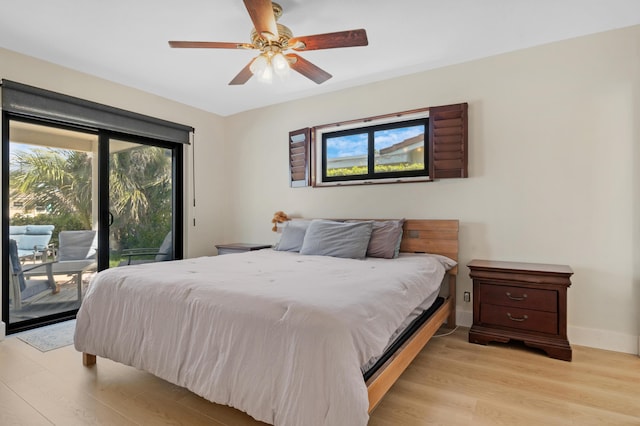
{"x":263,"y":18}
{"x":243,"y":76}
{"x":348,"y":38}
{"x":307,"y":69}
{"x":209,"y":45}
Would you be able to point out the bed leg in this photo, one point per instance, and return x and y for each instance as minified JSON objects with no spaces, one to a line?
{"x":88,"y":360}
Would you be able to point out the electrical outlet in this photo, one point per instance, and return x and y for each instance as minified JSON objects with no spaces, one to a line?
{"x":467,"y":296}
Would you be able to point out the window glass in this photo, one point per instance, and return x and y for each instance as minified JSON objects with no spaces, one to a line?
{"x":347,"y":155}
{"x":399,"y":149}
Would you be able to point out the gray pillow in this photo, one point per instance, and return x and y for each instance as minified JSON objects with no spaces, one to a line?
{"x":385,"y":238}
{"x":338,"y":239}
{"x":292,"y":235}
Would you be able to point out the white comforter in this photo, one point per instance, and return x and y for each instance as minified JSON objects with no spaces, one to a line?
{"x":278,"y":335}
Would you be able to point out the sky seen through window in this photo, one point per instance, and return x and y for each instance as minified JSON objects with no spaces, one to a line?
{"x":357,"y":144}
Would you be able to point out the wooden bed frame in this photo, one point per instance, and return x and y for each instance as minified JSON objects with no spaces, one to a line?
{"x":419,"y":236}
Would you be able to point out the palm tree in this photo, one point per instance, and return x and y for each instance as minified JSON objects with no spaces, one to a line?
{"x":141,"y":188}
{"x":61,"y":180}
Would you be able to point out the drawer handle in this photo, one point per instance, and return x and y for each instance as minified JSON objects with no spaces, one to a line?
{"x":524,"y":296}
{"x":517,"y":319}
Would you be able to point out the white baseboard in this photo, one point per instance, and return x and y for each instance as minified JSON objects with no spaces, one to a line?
{"x":604,"y":339}
{"x":464,"y":318}
{"x":591,"y":337}
{"x":3,"y":331}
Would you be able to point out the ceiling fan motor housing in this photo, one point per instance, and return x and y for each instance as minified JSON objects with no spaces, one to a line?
{"x":284,"y":34}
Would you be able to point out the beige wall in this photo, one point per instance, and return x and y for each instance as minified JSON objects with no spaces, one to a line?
{"x":553,"y":139}
{"x":553,"y":143}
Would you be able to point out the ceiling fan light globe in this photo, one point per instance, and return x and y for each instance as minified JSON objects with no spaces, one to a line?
{"x":259,"y":64}
{"x":266,"y":76}
{"x":280,"y":65}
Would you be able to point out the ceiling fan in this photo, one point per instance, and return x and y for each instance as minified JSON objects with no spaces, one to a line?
{"x":273,"y":40}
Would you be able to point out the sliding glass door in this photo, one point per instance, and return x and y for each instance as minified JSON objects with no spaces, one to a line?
{"x":141,"y":203}
{"x":78,"y":201}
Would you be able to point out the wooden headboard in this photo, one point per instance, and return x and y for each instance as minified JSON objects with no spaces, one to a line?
{"x":431,"y":236}
{"x":435,"y":236}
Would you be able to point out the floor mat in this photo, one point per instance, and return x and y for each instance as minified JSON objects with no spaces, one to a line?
{"x":50,"y":337}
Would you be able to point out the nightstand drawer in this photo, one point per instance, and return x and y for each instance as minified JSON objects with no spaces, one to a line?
{"x":521,"y":319}
{"x":519,"y":297}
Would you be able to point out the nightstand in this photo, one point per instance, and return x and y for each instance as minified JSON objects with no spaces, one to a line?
{"x":521,"y":301}
{"x":240,"y":247}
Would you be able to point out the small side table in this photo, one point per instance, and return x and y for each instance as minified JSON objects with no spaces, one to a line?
{"x":521,"y":301}
{"x":240,"y":247}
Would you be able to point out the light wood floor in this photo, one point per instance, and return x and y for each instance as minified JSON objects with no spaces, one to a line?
{"x":451,"y":382}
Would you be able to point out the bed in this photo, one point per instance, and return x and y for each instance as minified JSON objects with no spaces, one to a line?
{"x":287,"y":352}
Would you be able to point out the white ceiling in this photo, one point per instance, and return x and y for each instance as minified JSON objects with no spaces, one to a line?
{"x":125,"y":41}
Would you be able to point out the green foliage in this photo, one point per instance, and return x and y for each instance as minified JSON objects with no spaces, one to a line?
{"x":141,"y":195}
{"x":401,"y":167}
{"x":379,"y":168}
{"x":347,"y":171}
{"x":58,"y":179}
{"x":140,"y":191}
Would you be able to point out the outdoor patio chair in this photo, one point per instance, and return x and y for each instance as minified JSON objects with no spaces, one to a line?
{"x":76,"y":254}
{"x":32,"y":240}
{"x":160,"y":254}
{"x":22,"y":288}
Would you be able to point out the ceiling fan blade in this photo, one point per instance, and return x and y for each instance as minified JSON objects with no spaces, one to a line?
{"x":330,"y":40}
{"x":307,"y":69}
{"x":264,"y":21}
{"x":210,"y":45}
{"x":243,"y":76}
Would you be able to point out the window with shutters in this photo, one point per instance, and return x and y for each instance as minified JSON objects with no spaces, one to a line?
{"x":411,"y":146}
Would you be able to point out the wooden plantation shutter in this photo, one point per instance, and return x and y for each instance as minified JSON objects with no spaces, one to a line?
{"x":299,"y":157}
{"x":448,"y":141}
